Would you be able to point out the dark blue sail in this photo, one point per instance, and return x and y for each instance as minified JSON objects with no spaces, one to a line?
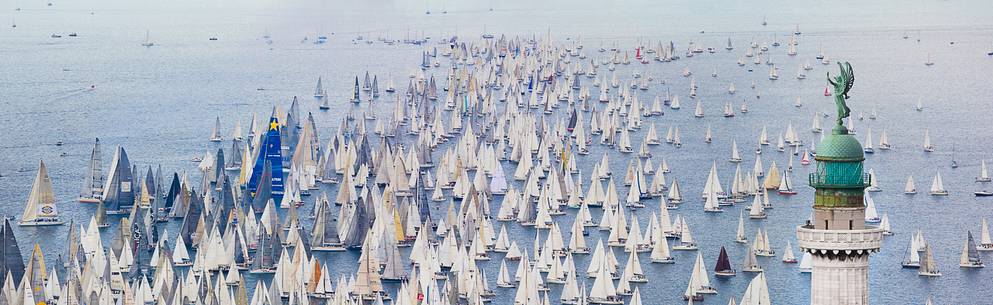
{"x":270,"y":154}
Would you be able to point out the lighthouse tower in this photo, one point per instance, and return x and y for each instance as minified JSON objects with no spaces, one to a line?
{"x":837,"y":237}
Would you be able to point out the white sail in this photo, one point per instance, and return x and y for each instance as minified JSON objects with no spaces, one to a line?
{"x":93,"y":183}
{"x":40,"y":209}
{"x":937,"y":187}
{"x":984,"y":175}
{"x":871,"y":215}
{"x":985,"y":242}
{"x":928,"y":147}
{"x":806,"y":263}
{"x":757,"y":292}
{"x":909,"y":188}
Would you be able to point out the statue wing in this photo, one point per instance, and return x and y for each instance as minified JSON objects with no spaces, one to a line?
{"x":850,"y":76}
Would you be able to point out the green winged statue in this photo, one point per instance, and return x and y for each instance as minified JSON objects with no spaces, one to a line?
{"x":842,"y":84}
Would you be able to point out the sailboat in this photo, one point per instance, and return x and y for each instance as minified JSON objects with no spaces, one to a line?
{"x":984,"y":175}
{"x":785,"y":184}
{"x":885,"y":225}
{"x":723,"y":267}
{"x":928,"y":147}
{"x":40,"y":209}
{"x":871,"y":215}
{"x":118,"y":193}
{"x":970,"y":254}
{"x":503,"y":278}
{"x":867,"y":145}
{"x":215,"y":134}
{"x":884,"y":141}
{"x":93,"y":183}
{"x":147,"y":43}
{"x":603,"y":291}
{"x":910,"y":189}
{"x":685,"y":239}
{"x":928,"y":266}
{"x":757,"y":292}
{"x":985,"y":242}
{"x":751,"y":263}
{"x":740,"y":234}
{"x":788,"y":256}
{"x":928,"y":61}
{"x":319,"y":91}
{"x":913,"y":257}
{"x":806,"y":263}
{"x":699,"y":281}
{"x":937,"y":187}
{"x":756,"y":211}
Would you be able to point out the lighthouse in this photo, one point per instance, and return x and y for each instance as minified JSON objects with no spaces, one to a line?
{"x":836,"y":237}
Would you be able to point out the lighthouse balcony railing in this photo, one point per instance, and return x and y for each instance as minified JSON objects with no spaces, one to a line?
{"x":835,"y":181}
{"x":868,"y":238}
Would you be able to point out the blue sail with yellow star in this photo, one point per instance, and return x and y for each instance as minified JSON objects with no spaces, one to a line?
{"x":269,"y":154}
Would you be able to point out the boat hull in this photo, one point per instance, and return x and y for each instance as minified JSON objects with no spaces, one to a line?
{"x":40,"y":223}
{"x":89,"y":200}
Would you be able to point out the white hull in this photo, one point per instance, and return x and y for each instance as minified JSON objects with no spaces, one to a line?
{"x":36,"y":223}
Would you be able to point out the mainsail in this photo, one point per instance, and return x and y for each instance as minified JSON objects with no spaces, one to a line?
{"x":270,"y":153}
{"x":93,"y":183}
{"x":118,"y":194}
{"x":40,"y":208}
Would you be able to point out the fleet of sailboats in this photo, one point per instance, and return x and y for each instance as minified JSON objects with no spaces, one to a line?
{"x":245,"y":216}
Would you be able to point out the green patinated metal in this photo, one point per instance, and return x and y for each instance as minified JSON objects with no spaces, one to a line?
{"x":839,"y":178}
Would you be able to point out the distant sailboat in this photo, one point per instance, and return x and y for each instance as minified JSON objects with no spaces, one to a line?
{"x":928,"y":147}
{"x":785,"y":184}
{"x":806,"y":263}
{"x":985,"y":242}
{"x":884,"y":141}
{"x":909,"y":188}
{"x":215,"y":134}
{"x":984,"y":175}
{"x":970,"y":254}
{"x":751,"y":263}
{"x":871,"y":215}
{"x":937,"y":187}
{"x":319,"y":92}
{"x":928,"y":267}
{"x":40,"y":209}
{"x":867,"y":145}
{"x":147,"y":43}
{"x":788,"y":256}
{"x":913,"y":257}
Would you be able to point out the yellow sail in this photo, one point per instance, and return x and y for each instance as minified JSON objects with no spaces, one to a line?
{"x":315,"y":278}
{"x":35,"y":273}
{"x":146,"y":198}
{"x":400,"y":236}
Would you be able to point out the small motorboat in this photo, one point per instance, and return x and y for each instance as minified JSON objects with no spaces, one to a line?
{"x":983,"y":193}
